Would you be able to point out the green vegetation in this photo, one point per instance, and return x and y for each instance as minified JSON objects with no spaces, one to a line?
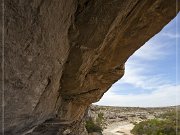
{"x":100,"y":120}
{"x":95,"y":126}
{"x":166,"y":124}
{"x":91,"y":126}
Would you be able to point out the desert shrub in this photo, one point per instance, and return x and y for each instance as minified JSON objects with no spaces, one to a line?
{"x":100,"y":119}
{"x":167,"y":125}
{"x":92,"y":127}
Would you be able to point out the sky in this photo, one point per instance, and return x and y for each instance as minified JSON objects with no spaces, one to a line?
{"x":151,"y":74}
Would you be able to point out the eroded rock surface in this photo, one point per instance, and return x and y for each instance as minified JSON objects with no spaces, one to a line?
{"x":62,"y":55}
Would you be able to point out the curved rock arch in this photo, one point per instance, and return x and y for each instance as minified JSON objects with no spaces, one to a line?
{"x":60,"y":56}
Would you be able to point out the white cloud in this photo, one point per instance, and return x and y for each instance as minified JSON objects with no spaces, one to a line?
{"x":139,"y":73}
{"x":139,"y":69}
{"x":151,"y":50}
{"x":138,"y":77}
{"x":170,"y":35}
{"x":166,"y":96}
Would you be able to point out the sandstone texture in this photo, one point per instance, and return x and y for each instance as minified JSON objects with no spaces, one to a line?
{"x":62,"y":55}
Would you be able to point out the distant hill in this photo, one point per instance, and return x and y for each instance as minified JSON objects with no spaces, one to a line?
{"x":108,"y":116}
{"x":115,"y":114}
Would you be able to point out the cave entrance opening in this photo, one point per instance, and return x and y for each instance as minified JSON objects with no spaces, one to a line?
{"x":150,"y":78}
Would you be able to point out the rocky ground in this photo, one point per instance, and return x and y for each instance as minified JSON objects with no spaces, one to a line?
{"x":118,"y":128}
{"x":120,"y":120}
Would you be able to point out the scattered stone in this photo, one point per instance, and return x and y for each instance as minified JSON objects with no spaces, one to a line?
{"x":67,"y":132}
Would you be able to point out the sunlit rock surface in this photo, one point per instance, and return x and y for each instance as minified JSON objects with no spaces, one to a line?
{"x":62,"y":55}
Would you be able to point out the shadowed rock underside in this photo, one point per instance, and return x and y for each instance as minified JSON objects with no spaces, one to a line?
{"x":63,"y":55}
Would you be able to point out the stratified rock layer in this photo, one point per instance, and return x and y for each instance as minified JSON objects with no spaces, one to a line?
{"x":62,"y":55}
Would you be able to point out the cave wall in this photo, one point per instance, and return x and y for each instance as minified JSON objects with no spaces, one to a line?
{"x":62,"y":55}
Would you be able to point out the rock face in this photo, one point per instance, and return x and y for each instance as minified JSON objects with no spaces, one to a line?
{"x":62,"y":55}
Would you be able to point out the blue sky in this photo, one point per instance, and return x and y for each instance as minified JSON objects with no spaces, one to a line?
{"x":151,"y":74}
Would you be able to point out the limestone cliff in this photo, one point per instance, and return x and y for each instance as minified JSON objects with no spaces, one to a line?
{"x":62,"y":55}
